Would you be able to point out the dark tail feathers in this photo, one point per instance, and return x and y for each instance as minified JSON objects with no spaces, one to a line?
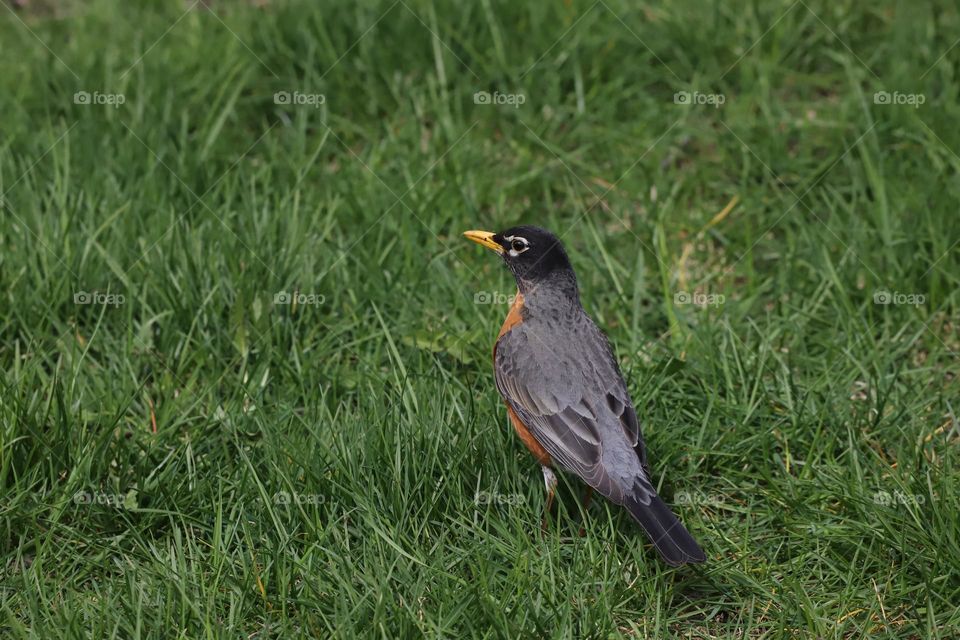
{"x":667,"y":533}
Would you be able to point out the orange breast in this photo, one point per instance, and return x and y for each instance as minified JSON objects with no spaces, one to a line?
{"x":514,"y":318}
{"x":528,"y":440}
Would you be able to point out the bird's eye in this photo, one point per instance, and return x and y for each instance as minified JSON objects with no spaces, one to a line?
{"x":518,"y":245}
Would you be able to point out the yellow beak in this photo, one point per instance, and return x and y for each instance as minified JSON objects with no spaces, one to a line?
{"x":484,"y":238}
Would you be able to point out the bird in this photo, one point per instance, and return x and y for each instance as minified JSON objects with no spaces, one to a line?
{"x":565,"y":394}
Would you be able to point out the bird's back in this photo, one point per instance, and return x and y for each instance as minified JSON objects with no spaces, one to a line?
{"x":558,"y":375}
{"x":567,"y":368}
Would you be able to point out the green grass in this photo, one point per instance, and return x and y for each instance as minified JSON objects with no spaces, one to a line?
{"x":804,"y":433}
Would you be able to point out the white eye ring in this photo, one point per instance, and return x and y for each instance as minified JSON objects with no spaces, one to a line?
{"x":517,"y":245}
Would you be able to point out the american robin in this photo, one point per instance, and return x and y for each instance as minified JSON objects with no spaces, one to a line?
{"x":564,"y":391}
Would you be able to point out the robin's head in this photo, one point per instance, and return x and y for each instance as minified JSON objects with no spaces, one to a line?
{"x":534,"y":255}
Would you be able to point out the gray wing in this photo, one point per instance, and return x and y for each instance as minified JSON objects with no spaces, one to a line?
{"x":573,"y":400}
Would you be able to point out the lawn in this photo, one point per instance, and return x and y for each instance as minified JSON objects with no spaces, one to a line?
{"x":245,"y":352}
